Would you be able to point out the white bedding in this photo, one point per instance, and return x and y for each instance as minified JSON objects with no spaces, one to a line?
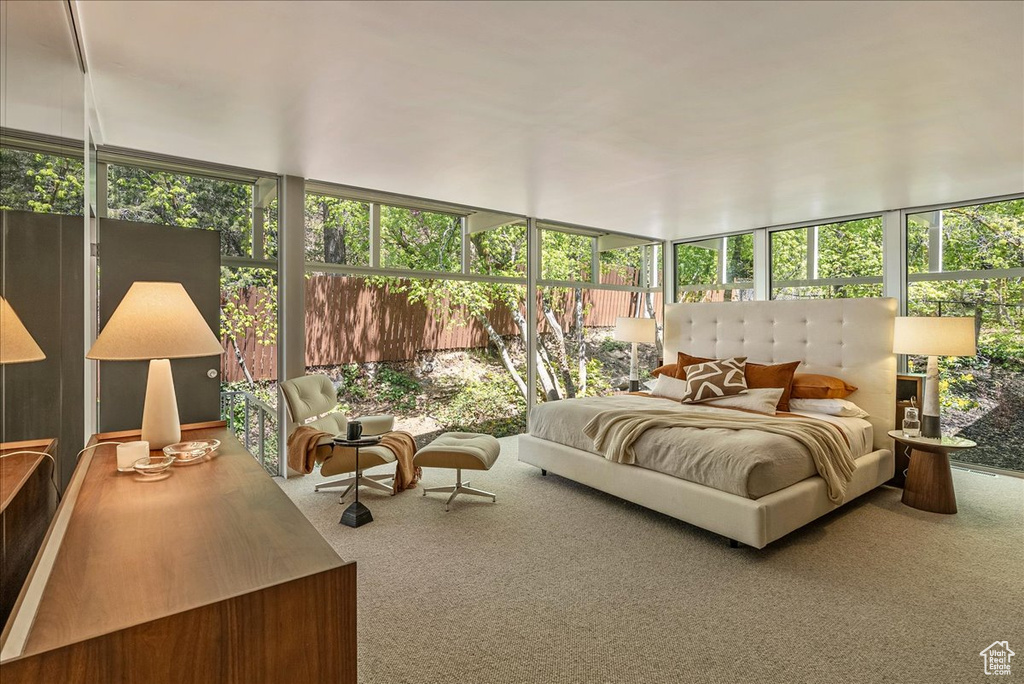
{"x":748,"y":463}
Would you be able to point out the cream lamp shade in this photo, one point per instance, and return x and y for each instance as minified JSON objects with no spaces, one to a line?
{"x":16,"y":344}
{"x":932,"y":336}
{"x":638,"y":330}
{"x":156,"y":322}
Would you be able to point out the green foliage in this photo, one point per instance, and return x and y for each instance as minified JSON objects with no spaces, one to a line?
{"x":190,"y":201}
{"x":337,"y":230}
{"x":394,"y":389}
{"x":565,"y":256}
{"x":609,"y":345}
{"x":397,"y":389}
{"x":499,"y":252}
{"x":43,"y":183}
{"x":491,"y":404}
{"x":849,"y":249}
{"x":420,"y":240}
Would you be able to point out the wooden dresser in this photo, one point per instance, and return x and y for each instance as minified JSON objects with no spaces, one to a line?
{"x":210,"y":574}
{"x":28,"y":499}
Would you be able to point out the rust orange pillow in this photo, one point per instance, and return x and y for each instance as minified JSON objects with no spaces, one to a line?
{"x":815,"y":386}
{"x":668,"y":369}
{"x":758,"y":375}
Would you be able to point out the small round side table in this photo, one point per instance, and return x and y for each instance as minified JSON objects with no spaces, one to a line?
{"x":357,"y":514}
{"x":929,"y":485}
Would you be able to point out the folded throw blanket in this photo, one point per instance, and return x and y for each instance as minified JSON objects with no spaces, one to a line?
{"x":615,"y":433}
{"x":303,"y":444}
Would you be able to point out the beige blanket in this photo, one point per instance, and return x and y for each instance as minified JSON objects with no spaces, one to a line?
{"x":615,"y":432}
{"x":303,"y":445}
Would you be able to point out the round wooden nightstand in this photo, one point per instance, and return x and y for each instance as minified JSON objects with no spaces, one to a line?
{"x":929,"y":485}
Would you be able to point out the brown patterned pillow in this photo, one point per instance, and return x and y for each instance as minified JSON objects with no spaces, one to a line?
{"x":714,"y":380}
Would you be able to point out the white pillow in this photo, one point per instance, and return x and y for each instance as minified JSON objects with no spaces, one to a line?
{"x":829,"y":407}
{"x":668,"y":387}
{"x":761,"y":400}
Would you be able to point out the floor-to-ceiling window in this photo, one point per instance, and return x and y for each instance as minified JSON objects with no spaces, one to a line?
{"x":416,"y":309}
{"x":969,"y":261}
{"x":827,"y":261}
{"x":588,"y":279}
{"x":715,"y":269}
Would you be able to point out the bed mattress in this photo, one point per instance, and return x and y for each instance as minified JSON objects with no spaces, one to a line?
{"x":748,"y":463}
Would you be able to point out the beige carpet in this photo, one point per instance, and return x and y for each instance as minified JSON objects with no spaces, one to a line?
{"x":557,"y":583}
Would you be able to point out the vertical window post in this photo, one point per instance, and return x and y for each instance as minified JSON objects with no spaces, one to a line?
{"x":533,"y":265}
{"x":291,"y":283}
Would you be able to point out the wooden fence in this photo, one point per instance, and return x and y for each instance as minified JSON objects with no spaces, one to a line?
{"x":351,"y":321}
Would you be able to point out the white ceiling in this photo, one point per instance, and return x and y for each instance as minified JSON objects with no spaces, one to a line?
{"x":667,"y":119}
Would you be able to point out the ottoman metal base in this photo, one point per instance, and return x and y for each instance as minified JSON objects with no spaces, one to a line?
{"x":459,"y":487}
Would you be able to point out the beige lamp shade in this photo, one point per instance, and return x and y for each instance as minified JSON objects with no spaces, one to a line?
{"x":639,"y":330}
{"x":16,"y":344}
{"x":934,"y":336}
{"x":155,"y":321}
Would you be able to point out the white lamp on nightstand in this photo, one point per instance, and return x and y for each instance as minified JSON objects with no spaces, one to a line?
{"x":933,"y":337}
{"x":156,"y":322}
{"x":637,"y":331}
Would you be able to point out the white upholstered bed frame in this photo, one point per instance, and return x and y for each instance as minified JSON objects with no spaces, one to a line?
{"x":847,"y":338}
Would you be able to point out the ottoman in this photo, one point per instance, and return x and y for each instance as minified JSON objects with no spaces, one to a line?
{"x":461,"y":451}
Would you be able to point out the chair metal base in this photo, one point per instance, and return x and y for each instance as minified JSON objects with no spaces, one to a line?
{"x":372,"y":481}
{"x":459,"y":487}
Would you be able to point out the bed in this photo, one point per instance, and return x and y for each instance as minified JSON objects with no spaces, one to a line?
{"x":850,"y":339}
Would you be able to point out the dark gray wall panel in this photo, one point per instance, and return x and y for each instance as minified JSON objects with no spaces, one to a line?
{"x":131,"y":251}
{"x":41,"y":271}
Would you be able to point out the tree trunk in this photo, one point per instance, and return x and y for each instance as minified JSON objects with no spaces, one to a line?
{"x":506,"y":358}
{"x":240,"y":358}
{"x":546,"y":382}
{"x":561,"y":355}
{"x":334,"y":239}
{"x":581,"y":341}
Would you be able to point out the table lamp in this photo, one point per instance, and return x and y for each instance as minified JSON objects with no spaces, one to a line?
{"x":637,"y":331}
{"x":156,"y":322}
{"x":933,"y":337}
{"x":16,"y":344}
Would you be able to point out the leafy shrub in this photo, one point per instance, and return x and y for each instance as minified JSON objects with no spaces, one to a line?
{"x":492,"y":405}
{"x":397,"y":389}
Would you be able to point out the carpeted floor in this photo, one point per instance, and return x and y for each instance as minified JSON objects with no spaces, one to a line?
{"x":557,"y":583}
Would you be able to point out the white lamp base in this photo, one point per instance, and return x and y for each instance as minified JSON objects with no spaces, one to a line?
{"x":634,"y":371}
{"x":930,"y":424}
{"x":160,"y":424}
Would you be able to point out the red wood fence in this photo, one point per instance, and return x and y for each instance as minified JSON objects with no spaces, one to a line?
{"x":351,"y":321}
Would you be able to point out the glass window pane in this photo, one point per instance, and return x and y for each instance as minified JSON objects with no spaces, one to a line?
{"x":448,"y":358}
{"x":32,"y":181}
{"x":419,"y":240}
{"x":337,"y":230}
{"x":174,"y":199}
{"x":498,"y":251}
{"x":577,"y":353}
{"x":982,"y":236}
{"x":717,"y":269}
{"x":624,"y":266}
{"x":566,"y":256}
{"x":829,"y":261}
{"x":980,"y":396}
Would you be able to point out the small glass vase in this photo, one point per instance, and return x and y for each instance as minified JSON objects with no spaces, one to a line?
{"x":911,"y":423}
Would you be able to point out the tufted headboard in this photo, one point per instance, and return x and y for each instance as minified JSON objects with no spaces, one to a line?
{"x":848,"y":338}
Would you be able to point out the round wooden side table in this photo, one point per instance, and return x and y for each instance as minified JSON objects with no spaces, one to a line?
{"x":929,"y":485}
